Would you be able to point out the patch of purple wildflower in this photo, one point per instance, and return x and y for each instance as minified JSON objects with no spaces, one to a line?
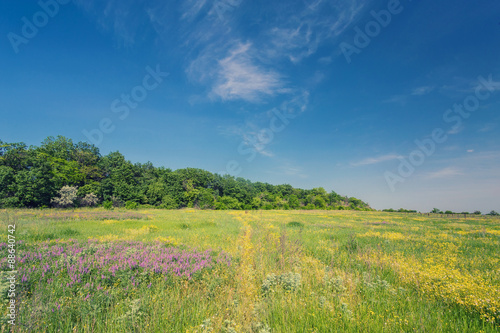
{"x":93,"y":265}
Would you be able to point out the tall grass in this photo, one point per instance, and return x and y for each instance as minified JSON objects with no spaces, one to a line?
{"x":256,"y":271}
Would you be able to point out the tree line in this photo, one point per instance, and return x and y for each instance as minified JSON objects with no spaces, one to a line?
{"x":438,"y":211}
{"x":60,"y":173}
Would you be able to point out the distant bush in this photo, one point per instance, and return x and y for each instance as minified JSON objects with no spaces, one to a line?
{"x":117,"y":202}
{"x":11,"y":202}
{"x":402,"y":210}
{"x":108,"y":204}
{"x":147,"y":206}
{"x":226,"y":202}
{"x":295,"y":224}
{"x":493,"y":213}
{"x":131,"y":205}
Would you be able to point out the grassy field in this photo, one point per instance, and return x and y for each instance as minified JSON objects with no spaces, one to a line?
{"x":255,"y":271}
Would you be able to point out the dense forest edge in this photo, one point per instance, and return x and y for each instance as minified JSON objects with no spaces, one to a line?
{"x":62,"y":174}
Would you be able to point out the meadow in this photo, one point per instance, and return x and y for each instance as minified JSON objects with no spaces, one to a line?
{"x":93,"y":270}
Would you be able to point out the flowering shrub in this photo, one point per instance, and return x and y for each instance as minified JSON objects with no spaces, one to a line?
{"x":89,"y":200}
{"x":67,"y":197}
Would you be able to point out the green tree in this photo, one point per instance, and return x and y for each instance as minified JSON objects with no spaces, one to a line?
{"x":319,"y":202}
{"x":278,"y":202}
{"x":15,"y":155}
{"x":155,"y":192}
{"x":87,"y":157}
{"x":7,"y":187}
{"x":205,"y":199}
{"x":293,"y":201}
{"x":60,"y":147}
{"x":334,"y":198}
{"x":226,"y":202}
{"x":35,"y":187}
{"x":168,"y":202}
{"x":92,"y":187}
{"x":120,"y":177}
{"x":256,"y":203}
{"x":319,"y":191}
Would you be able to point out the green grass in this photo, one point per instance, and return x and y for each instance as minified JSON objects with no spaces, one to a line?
{"x":334,"y":271}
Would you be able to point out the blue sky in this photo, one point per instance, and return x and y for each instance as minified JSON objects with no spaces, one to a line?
{"x":310,"y":93}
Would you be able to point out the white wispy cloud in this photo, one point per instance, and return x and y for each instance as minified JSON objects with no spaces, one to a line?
{"x":248,"y":69}
{"x":347,"y":13}
{"x":398,"y":99}
{"x":325,"y":60}
{"x":492,"y":84}
{"x":376,"y":160}
{"x":289,"y":169}
{"x":298,"y":34}
{"x":250,"y":134}
{"x":239,"y":77}
{"x":191,"y":8}
{"x":456,"y":130}
{"x":251,"y":139}
{"x":444,"y":173}
{"x":403,"y":98}
{"x":458,"y":86}
{"x":422,"y":90}
{"x":253,"y":133}
{"x":480,"y":163}
{"x":123,"y":18}
{"x":487,"y":128}
{"x":251,"y":68}
{"x":264,"y":152}
{"x":298,"y":42}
